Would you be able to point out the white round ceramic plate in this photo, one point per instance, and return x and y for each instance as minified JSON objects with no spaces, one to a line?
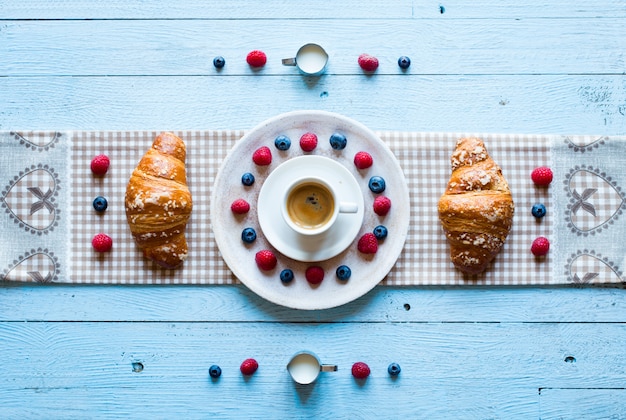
{"x":292,"y":244}
{"x":367,"y":269}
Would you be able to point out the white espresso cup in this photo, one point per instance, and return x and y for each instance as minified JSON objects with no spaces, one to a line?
{"x":311,"y":60}
{"x":304,"y":367}
{"x":311,"y":206}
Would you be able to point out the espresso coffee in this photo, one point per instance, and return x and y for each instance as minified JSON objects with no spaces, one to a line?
{"x":310,"y":205}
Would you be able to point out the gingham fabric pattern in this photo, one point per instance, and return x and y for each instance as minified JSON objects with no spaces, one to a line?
{"x":204,"y":265}
{"x":424,"y":158}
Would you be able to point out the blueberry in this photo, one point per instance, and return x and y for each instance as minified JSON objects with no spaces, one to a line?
{"x":248,"y":235}
{"x":343,"y":272}
{"x":100,"y":204}
{"x":394,"y":369}
{"x":219,"y":62}
{"x":282,"y":142}
{"x":215,"y":371}
{"x":404,"y":62}
{"x":286,"y":276}
{"x":377,"y":184}
{"x":338,"y":141}
{"x":539,"y":210}
{"x":247,"y":179}
{"x":380,"y":232}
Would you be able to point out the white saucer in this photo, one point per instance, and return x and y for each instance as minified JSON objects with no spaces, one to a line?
{"x":286,"y":240}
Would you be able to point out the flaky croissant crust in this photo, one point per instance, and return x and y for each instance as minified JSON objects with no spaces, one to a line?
{"x":476,"y":210}
{"x":158,"y":202}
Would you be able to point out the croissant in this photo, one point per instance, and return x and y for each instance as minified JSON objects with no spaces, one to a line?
{"x":158,"y":202}
{"x":476,"y":210}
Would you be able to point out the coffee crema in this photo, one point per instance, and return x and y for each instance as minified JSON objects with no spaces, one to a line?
{"x":310,"y":205}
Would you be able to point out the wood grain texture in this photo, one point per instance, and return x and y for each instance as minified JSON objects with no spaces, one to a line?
{"x":77,"y":303}
{"x":477,"y":371}
{"x":547,"y":104}
{"x":582,"y":403}
{"x":76,"y":352}
{"x":284,"y":9}
{"x":182,"y":47}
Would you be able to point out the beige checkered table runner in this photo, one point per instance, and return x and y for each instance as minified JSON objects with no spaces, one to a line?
{"x":62,"y":242}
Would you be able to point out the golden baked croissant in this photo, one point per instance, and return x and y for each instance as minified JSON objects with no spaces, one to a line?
{"x":158,"y":202}
{"x":476,"y":210}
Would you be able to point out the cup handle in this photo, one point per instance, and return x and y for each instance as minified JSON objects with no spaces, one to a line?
{"x":328,"y":368}
{"x":289,"y":61}
{"x":348,"y":207}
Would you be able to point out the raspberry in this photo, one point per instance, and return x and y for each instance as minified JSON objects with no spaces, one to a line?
{"x":308,"y":142}
{"x":240,"y":206}
{"x":265,"y":260}
{"x":256,"y":58}
{"x":262,"y":156}
{"x":382,"y":205}
{"x":100,"y":165}
{"x":368,"y":62}
{"x":314,"y":274}
{"x":363,"y":160}
{"x":248,"y":367}
{"x":360,"y":370}
{"x":542,"y":176}
{"x":102,"y":242}
{"x":368,"y":244}
{"x":540,"y":246}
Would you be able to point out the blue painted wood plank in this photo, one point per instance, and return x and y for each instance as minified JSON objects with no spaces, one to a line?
{"x":471,"y":371}
{"x":284,"y":9}
{"x":59,"y":303}
{"x":566,"y":104}
{"x":198,"y":9}
{"x":582,"y":403}
{"x":180,"y":47}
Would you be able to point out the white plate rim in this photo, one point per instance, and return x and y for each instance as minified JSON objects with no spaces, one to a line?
{"x":240,"y":258}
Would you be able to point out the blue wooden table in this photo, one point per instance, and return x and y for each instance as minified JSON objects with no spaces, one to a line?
{"x":71,"y":351}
